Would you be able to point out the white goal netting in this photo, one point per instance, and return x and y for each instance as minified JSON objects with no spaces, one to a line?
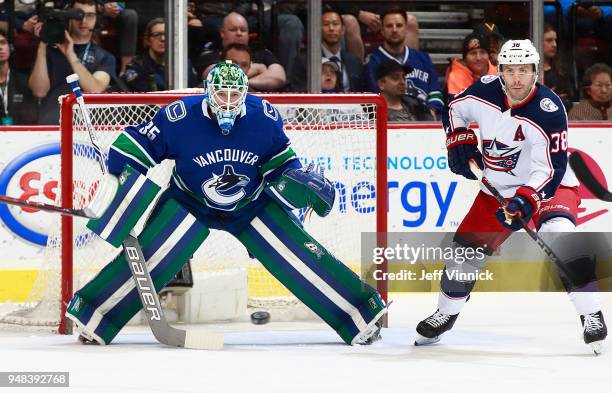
{"x":340,"y":133}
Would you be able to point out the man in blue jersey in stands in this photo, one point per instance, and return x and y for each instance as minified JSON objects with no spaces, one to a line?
{"x":422,"y":82}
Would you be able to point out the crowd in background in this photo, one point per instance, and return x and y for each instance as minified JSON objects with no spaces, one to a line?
{"x":120,"y":46}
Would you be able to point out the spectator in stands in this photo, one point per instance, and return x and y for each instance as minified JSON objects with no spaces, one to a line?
{"x":493,"y":39}
{"x":391,"y":82}
{"x":352,"y":17}
{"x":290,"y":28}
{"x":591,"y":19}
{"x":76,"y":54}
{"x":472,"y":66}
{"x":554,"y":76}
{"x":239,"y":54}
{"x":351,"y":69}
{"x":597,"y":86}
{"x":329,"y":76}
{"x":422,"y":82}
{"x":18,"y":106}
{"x":265,"y":74}
{"x":367,"y":18}
{"x":147,"y":72}
{"x":127,"y":24}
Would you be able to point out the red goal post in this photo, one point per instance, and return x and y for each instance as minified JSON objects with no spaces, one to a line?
{"x":376,"y":118}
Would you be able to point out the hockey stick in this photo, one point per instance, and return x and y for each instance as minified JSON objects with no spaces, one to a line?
{"x":43,"y":206}
{"x":163,"y":332}
{"x":533,"y":234}
{"x":586,"y":177}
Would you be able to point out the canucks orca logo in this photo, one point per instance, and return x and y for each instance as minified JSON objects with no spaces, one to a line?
{"x":220,"y":188}
{"x":499,"y":156}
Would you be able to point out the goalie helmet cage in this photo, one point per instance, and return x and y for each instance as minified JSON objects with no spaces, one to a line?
{"x":301,"y":112}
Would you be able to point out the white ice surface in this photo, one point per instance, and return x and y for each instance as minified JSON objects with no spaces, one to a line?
{"x":519,"y":343}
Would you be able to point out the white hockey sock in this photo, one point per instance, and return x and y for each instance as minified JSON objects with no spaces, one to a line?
{"x":586,"y":302}
{"x":450,"y":306}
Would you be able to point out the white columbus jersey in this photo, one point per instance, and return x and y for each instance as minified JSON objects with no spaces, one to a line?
{"x":525,"y":145}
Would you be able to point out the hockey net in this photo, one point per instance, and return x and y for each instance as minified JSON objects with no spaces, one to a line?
{"x":344,"y":133}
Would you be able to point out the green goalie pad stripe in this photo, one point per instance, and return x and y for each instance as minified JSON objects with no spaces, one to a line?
{"x":130,"y":148}
{"x":133,"y":197}
{"x":345,"y":276}
{"x":276,"y":161}
{"x":167,"y":241}
{"x":284,"y":248}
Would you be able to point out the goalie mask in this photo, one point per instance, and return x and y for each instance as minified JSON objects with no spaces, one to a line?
{"x":226,"y":88}
{"x":518,"y":52}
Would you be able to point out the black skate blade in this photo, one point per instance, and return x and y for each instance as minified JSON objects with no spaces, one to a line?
{"x":422,"y":340}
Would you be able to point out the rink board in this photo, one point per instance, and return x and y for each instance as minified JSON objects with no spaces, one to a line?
{"x":423,"y":194}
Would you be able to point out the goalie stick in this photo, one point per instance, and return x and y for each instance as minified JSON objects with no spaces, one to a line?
{"x":587,"y":178}
{"x":532,"y":234}
{"x":43,"y":206}
{"x":163,"y":332}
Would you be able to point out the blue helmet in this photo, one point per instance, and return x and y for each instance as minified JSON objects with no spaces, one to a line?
{"x":226,"y":88}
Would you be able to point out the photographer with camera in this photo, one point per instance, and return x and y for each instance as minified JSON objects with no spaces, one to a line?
{"x":56,"y":58}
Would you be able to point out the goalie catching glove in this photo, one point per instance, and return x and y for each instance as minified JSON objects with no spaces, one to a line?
{"x":462,"y":146}
{"x":304,"y":187}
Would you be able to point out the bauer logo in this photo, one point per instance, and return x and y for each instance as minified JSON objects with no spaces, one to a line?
{"x":31,"y":176}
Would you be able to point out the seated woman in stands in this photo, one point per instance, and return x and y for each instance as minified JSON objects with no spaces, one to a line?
{"x":597,"y":87}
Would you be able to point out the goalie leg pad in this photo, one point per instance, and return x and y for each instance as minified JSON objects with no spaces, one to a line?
{"x":299,"y":188}
{"x":110,"y":300}
{"x":133,"y":197}
{"x":323,"y":283}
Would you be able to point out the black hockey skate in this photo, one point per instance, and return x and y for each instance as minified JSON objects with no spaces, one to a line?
{"x":595,"y":330}
{"x":430,"y":329}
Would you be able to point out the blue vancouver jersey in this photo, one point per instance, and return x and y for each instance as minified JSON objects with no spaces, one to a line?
{"x":222,"y":172}
{"x":524,"y":145}
{"x":422,"y":82}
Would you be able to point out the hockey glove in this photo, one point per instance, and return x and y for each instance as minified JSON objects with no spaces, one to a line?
{"x":525,"y":202}
{"x":304,"y":187}
{"x":462,"y":146}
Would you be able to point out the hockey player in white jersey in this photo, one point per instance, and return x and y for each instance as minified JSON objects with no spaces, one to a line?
{"x":523,"y":136}
{"x":235,"y":171}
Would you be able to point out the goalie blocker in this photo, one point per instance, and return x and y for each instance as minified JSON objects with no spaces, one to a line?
{"x":177,"y":228}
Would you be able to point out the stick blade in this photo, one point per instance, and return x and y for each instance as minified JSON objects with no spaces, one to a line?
{"x":204,"y":339}
{"x":583,"y":173}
